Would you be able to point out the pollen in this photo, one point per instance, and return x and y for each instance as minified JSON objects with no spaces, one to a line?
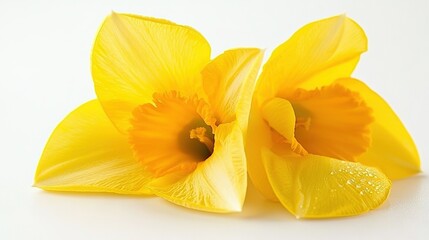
{"x":200,"y":134}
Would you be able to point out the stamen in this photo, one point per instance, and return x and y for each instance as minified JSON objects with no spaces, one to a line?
{"x":303,"y":122}
{"x":297,"y":148}
{"x":200,"y":134}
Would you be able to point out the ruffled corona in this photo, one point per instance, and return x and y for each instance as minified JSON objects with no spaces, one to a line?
{"x":173,"y":134}
{"x":332,"y":121}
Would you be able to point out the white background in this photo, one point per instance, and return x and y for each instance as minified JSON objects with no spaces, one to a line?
{"x":44,"y":74}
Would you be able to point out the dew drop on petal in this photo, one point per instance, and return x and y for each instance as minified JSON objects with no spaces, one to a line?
{"x":350,"y":181}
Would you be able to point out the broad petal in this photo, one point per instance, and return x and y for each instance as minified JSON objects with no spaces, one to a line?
{"x":392,"y":149}
{"x":313,"y":186}
{"x":218,"y":184}
{"x":258,"y":136}
{"x":86,"y":153}
{"x":280,"y":116}
{"x":134,"y":57}
{"x":315,"y":55}
{"x":229,"y":81}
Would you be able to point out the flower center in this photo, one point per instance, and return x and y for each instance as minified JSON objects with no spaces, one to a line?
{"x":332,"y":121}
{"x":303,"y":122}
{"x":172,"y":135}
{"x":200,"y":134}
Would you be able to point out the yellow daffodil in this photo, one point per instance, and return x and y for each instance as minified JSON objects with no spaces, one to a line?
{"x":320,"y":142}
{"x":167,"y":120}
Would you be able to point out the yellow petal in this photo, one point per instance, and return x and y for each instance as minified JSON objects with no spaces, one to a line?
{"x":315,"y":55}
{"x":229,"y":81}
{"x":280,"y":116}
{"x":313,"y":186}
{"x":218,"y":184}
{"x":86,"y":153}
{"x":392,"y":149}
{"x":134,"y":57}
{"x":258,"y":137}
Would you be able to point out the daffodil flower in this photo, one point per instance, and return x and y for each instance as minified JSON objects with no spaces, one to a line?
{"x":320,"y":142}
{"x":167,"y":120}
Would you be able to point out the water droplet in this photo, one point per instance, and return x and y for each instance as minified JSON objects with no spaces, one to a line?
{"x":332,"y":173}
{"x":370,"y":183}
{"x":358,"y":186}
{"x":362,"y":192}
{"x":363,"y":180}
{"x":350,"y":181}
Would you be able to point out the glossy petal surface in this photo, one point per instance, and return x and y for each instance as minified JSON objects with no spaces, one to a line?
{"x":86,"y":153}
{"x":313,"y":186}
